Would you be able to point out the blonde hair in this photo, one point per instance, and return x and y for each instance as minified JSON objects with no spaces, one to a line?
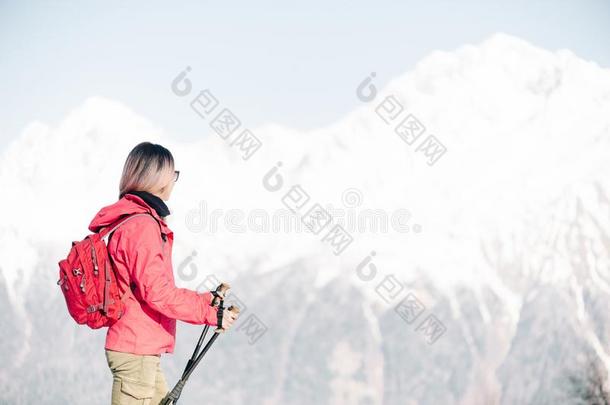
{"x":144,"y":168}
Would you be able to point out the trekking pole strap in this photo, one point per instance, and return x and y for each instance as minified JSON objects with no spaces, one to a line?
{"x":219,"y":316}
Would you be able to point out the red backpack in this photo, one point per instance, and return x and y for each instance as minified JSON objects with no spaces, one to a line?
{"x":88,"y":281}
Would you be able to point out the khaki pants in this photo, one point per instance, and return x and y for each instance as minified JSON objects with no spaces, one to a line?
{"x":136,"y":379}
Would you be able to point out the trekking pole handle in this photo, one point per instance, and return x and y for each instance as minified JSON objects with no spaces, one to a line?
{"x":219,"y":293}
{"x":233,"y":309}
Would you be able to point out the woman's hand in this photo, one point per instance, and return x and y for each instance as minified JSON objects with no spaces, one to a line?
{"x":228,"y":317}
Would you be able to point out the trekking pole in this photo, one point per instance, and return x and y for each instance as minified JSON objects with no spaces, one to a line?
{"x":173,"y":396}
{"x":219,"y":295}
{"x":207,"y":346}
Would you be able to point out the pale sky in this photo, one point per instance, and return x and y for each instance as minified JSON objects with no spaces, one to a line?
{"x":296,"y":64}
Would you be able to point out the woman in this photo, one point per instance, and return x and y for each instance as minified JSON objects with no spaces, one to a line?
{"x":141,"y":249}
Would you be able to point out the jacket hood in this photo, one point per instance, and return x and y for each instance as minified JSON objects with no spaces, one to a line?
{"x":127,"y":205}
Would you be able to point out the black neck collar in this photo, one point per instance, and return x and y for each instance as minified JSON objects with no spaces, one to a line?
{"x":153,"y":201}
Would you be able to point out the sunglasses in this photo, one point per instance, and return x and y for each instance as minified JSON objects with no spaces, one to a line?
{"x":176,"y":175}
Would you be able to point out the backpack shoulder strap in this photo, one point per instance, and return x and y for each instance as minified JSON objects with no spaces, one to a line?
{"x":106,"y":232}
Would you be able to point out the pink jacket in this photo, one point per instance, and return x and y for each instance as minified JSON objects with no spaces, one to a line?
{"x":143,"y":259}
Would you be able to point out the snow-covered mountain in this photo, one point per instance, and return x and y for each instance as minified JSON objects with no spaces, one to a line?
{"x":511,"y":253}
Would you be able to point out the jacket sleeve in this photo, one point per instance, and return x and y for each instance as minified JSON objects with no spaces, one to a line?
{"x":141,"y":248}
